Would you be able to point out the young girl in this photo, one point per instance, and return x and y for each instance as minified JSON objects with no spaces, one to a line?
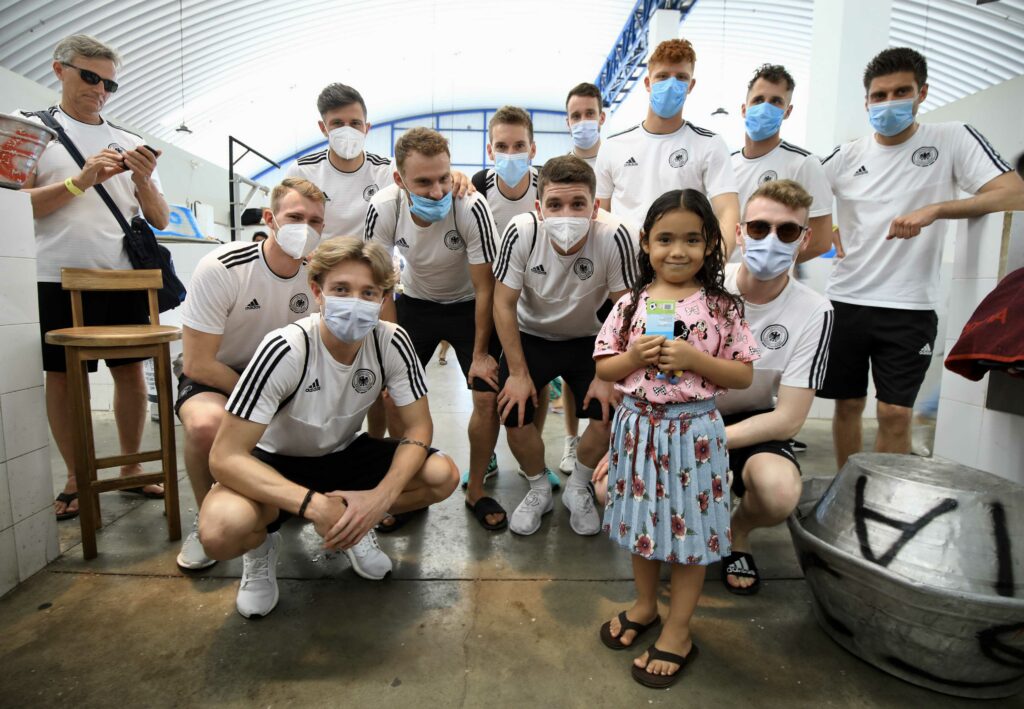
{"x":668,"y":499}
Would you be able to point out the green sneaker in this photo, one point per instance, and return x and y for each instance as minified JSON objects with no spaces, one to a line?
{"x":492,"y":471}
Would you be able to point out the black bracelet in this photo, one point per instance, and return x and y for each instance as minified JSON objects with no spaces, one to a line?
{"x":414,"y":442}
{"x":305,"y":503}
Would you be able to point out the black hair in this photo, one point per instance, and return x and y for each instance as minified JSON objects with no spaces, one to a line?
{"x":896,"y":59}
{"x":588,"y":90}
{"x":711,"y":275}
{"x":338,"y":96}
{"x":773,"y":74}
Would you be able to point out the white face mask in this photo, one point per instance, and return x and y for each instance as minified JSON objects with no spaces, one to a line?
{"x":350,"y":319}
{"x":566,"y":232}
{"x":347,"y":141}
{"x":296,"y":240}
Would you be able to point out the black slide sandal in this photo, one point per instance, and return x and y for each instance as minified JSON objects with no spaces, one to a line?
{"x":641,"y":675}
{"x":741,"y":564}
{"x":401,"y":519}
{"x":625,"y":624}
{"x":488,"y":506}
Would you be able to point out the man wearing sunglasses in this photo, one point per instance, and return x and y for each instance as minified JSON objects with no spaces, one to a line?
{"x":896,"y":189}
{"x":792,"y":324}
{"x":75,"y":229}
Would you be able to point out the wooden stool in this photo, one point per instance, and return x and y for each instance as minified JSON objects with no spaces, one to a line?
{"x":83,"y":343}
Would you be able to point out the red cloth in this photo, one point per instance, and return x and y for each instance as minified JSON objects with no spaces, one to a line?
{"x":993,"y":338}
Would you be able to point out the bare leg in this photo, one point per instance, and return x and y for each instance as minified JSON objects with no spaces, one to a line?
{"x":594,"y":443}
{"x":572,"y":424}
{"x":483,"y":436}
{"x":847,"y":429}
{"x":59,"y":415}
{"x":687,"y":582}
{"x":528,"y":448}
{"x":231,"y":524}
{"x":201,"y":416}
{"x":643,"y":610}
{"x":540,"y":412}
{"x":893,"y":428}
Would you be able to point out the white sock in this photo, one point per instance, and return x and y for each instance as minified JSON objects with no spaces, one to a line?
{"x":540,"y":483}
{"x":581,"y":475}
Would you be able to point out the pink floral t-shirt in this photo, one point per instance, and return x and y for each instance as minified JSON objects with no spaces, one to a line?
{"x":701,"y":322}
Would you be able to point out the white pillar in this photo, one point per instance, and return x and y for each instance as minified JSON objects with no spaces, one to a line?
{"x":847,"y":34}
{"x":664,"y":25}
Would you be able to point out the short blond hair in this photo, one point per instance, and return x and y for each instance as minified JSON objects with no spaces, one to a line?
{"x":86,"y":46}
{"x":425,"y":141}
{"x":788,"y":193}
{"x":331,"y":252}
{"x":295,"y":184}
{"x":510,"y":116}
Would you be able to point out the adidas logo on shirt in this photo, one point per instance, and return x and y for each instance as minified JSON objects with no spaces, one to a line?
{"x":315,"y":386}
{"x":253,"y":305}
{"x":403,"y":243}
{"x":861,"y":171}
{"x":631,"y":163}
{"x":539,"y":269}
{"x":926,"y":350}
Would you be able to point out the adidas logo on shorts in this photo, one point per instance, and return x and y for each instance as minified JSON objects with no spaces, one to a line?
{"x":539,"y":269}
{"x":860,"y":171}
{"x":631,"y":163}
{"x":926,"y":350}
{"x":315,"y":386}
{"x":403,"y":243}
{"x":253,"y":305}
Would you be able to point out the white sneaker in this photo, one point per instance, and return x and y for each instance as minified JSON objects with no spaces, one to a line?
{"x":257,"y":592}
{"x":192,"y":555}
{"x":584,"y":518}
{"x":568,"y":463}
{"x":367,"y":558}
{"x":527,"y":516}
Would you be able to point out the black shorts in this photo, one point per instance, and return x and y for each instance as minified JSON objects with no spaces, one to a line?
{"x":428,"y":323}
{"x":187,"y":388}
{"x":360,"y":466}
{"x":897,"y":344}
{"x":738,"y":457}
{"x":572,"y":360}
{"x":98,"y":308}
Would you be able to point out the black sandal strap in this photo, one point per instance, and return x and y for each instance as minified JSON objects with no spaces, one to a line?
{"x":729,"y":562}
{"x":627,"y":624}
{"x":487,"y":506}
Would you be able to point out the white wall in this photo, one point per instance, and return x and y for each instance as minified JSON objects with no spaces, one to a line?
{"x":185,"y":177}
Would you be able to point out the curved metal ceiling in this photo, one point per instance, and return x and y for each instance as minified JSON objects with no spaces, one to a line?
{"x":254,"y":69}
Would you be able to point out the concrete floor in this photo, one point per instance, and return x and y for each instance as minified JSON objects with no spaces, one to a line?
{"x":469,"y":618}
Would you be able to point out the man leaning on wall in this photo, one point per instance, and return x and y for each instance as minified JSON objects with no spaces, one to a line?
{"x":75,"y":229}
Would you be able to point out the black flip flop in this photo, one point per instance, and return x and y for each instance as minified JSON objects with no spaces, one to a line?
{"x":141,"y":492}
{"x":741,"y":564}
{"x":488,"y":506}
{"x":625,"y":624}
{"x":401,"y":519}
{"x":67,"y":498}
{"x":641,"y":675}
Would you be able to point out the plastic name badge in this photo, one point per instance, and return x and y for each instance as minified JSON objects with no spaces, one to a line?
{"x":661,"y":320}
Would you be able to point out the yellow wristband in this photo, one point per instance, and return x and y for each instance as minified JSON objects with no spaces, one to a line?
{"x":72,"y":187}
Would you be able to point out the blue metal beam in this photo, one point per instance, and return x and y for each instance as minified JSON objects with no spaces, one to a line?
{"x":626,"y":62}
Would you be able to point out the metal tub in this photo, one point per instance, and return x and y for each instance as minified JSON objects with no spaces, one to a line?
{"x":21,"y":143}
{"x":916,"y":566}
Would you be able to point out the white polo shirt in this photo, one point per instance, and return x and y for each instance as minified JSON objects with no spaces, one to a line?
{"x":560,"y":295}
{"x":234,"y":293}
{"x":793,"y":332}
{"x":437,"y":257}
{"x":503,"y":208}
{"x":874,"y":184}
{"x":636,"y":167}
{"x":348,"y":193}
{"x":83,"y":233}
{"x":316,"y":406}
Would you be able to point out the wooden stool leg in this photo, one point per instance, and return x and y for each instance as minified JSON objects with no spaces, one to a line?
{"x":167,"y":443}
{"x":78,"y":402}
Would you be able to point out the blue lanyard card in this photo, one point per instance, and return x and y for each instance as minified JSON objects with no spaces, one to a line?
{"x":661,"y":320}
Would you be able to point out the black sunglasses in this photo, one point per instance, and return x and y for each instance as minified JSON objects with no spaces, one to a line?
{"x":92,"y":78}
{"x":788,"y":232}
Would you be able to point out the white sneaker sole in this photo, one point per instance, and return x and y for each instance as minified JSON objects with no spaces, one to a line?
{"x":360,"y":571}
{"x":277,"y":596}
{"x":193,"y":566}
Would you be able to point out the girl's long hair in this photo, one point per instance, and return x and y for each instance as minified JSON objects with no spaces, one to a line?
{"x":711,"y":275}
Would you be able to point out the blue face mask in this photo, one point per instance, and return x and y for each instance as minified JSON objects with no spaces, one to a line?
{"x":667,"y":96}
{"x":511,"y":167}
{"x":431,"y":210}
{"x":891,"y":117}
{"x":763,"y":120}
{"x":585,"y":134}
{"x":768,"y":257}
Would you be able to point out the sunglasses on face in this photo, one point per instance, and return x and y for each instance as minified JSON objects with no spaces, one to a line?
{"x":788,"y":232}
{"x":92,"y":78}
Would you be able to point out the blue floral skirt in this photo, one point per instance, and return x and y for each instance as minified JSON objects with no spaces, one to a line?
{"x":668,"y":497}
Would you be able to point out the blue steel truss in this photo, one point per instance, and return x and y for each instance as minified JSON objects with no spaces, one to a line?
{"x":626,"y":63}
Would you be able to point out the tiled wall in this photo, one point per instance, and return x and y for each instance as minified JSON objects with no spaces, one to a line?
{"x":966,"y":431}
{"x":28,"y":529}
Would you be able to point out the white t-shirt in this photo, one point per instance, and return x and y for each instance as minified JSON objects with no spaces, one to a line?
{"x":348,"y":193}
{"x":437,"y":257}
{"x":636,"y":167}
{"x":793,"y":332}
{"x":329,"y":403}
{"x":503,"y":208}
{"x":784,"y":162}
{"x":234,"y":294}
{"x":874,"y":184}
{"x":592,"y":161}
{"x":83,"y":233}
{"x":560,"y":295}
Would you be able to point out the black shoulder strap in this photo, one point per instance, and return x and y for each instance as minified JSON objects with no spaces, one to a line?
{"x":305,"y":367}
{"x":50,"y":122}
